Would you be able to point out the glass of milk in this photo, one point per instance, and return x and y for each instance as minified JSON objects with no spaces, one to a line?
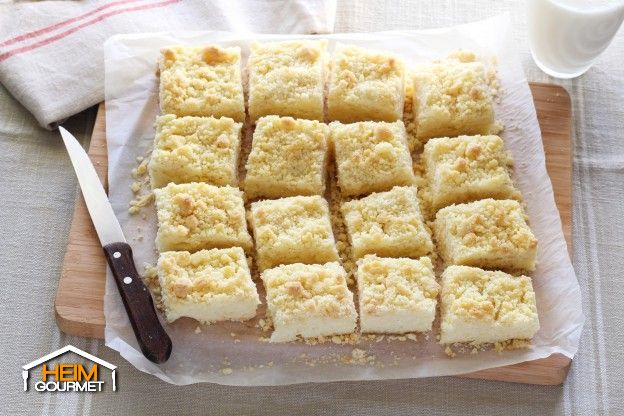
{"x":566,"y":36}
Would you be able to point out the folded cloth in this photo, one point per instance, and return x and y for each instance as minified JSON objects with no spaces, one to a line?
{"x":51,"y":57}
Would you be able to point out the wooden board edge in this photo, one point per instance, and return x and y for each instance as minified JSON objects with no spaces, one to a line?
{"x":86,"y":328}
{"x":563,"y":202}
{"x":91,"y":326}
{"x":549,"y":371}
{"x":554,"y":368}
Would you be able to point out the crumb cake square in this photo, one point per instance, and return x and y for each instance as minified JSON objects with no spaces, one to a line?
{"x":365,"y":85}
{"x":396,"y":295}
{"x":467,"y":168}
{"x":388,"y":224}
{"x":371,"y":156}
{"x":486,"y":306}
{"x":201,"y":81}
{"x":195,"y":149}
{"x":491,"y":234}
{"x":195,"y":216}
{"x":208,"y":286}
{"x":288,"y":157}
{"x":451,"y":98}
{"x":292,"y":230}
{"x":287,"y":79}
{"x":309,"y":300}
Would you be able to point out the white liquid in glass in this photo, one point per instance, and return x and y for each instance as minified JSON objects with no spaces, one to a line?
{"x":566,"y":36}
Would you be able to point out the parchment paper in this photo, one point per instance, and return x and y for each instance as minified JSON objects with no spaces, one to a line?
{"x":208,"y":356}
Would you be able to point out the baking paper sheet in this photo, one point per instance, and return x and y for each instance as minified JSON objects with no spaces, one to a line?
{"x":208,"y":356}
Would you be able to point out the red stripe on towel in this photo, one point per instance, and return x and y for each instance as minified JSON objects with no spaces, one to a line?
{"x":62,"y":23}
{"x":68,"y":32}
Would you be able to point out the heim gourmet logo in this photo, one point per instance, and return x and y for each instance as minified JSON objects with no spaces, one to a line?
{"x":64,"y":377}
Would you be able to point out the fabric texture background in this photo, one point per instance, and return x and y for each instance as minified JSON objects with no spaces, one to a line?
{"x":37,"y":190}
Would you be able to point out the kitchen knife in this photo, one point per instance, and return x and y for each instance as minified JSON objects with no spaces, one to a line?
{"x":151,"y":336}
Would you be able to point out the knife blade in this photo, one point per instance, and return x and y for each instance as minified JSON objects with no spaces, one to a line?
{"x":151,"y":336}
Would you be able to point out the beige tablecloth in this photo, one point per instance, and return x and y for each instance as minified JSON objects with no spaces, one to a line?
{"x":37,"y":190}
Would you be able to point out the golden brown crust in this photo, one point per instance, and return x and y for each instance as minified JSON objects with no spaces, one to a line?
{"x":486,"y":306}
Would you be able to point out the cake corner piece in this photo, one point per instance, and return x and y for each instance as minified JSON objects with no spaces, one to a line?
{"x":208,"y":286}
{"x":482,"y":306}
{"x":201,"y":81}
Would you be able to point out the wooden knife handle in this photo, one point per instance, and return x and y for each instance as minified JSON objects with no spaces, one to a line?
{"x":152,"y":338}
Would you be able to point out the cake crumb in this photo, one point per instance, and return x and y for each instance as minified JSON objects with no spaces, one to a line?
{"x":512,"y":344}
{"x":463,"y":55}
{"x":150,"y":279}
{"x":497,"y":128}
{"x":135,"y":187}
{"x":491,"y":78}
{"x":346,"y":339}
{"x":359,"y":356}
{"x":397,"y":338}
{"x":449,"y":351}
{"x":358,"y":353}
{"x":265,"y":325}
{"x":140,"y":202}
{"x":198,"y":330}
{"x":227,"y":371}
{"x":141,"y":170}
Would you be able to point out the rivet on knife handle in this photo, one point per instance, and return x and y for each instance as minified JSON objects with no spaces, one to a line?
{"x":152,"y":338}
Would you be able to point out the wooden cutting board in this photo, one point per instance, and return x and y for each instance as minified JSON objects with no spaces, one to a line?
{"x":79,"y":299}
